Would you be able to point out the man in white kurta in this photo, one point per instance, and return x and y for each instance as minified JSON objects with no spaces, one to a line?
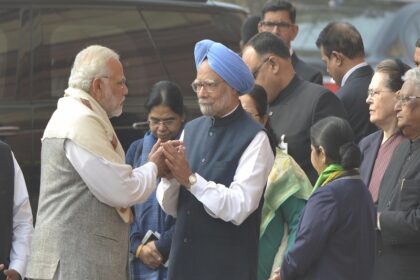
{"x":86,"y":189}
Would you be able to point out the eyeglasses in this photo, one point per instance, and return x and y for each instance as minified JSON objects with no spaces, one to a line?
{"x":257,"y":69}
{"x":372,"y":93}
{"x":165,"y":122}
{"x":121,"y":83}
{"x":272,"y":24}
{"x":208,"y":85}
{"x":404,"y":100}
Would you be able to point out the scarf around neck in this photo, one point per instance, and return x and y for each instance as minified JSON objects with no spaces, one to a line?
{"x":330,"y":173}
{"x":81,"y":119}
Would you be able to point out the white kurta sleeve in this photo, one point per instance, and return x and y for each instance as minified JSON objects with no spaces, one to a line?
{"x":117,"y":185}
{"x":236,"y":202}
{"x":167,"y":195}
{"x":22,"y":223}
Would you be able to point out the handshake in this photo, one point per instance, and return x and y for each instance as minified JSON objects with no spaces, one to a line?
{"x":171,"y":161}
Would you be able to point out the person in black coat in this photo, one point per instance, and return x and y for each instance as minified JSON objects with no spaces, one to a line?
{"x":342,"y":50}
{"x":279,"y":18}
{"x":294,"y":104}
{"x":398,"y":234}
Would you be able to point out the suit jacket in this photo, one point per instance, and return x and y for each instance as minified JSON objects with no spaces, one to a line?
{"x":335,"y":237}
{"x":353,"y":95}
{"x":369,"y":146}
{"x":398,"y":252}
{"x":306,"y":71}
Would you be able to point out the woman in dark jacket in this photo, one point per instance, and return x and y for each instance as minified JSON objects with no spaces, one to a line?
{"x":335,"y":237}
{"x":378,"y":147}
{"x":166,"y":117}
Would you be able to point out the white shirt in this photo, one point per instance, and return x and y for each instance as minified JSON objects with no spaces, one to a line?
{"x":22,"y":223}
{"x":117,"y":185}
{"x":236,"y":202}
{"x":354,"y":68}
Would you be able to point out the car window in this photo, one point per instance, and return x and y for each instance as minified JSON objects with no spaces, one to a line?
{"x":61,"y":33}
{"x":369,"y":22}
{"x":389,"y":30}
{"x":411,"y":33}
{"x":15,"y":105}
{"x":9,"y":51}
{"x":175,"y":38}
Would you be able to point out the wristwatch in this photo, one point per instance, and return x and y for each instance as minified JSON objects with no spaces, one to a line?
{"x":192,"y":179}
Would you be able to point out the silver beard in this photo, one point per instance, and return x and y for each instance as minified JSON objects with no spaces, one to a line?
{"x":207,"y":109}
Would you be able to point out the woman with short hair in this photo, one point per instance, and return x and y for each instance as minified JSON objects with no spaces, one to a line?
{"x":378,"y":147}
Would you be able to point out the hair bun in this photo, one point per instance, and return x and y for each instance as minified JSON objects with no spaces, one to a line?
{"x":350,"y":155}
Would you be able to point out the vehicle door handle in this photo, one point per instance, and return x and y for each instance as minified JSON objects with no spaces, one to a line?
{"x":140,"y":125}
{"x":9,"y":130}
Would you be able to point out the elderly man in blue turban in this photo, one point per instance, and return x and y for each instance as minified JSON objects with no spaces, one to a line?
{"x":217,"y":175}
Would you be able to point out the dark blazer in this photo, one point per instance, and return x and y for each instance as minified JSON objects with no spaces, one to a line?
{"x":398,"y":241}
{"x":336,"y":235}
{"x":353,"y":95}
{"x":306,"y":71}
{"x":369,"y":146}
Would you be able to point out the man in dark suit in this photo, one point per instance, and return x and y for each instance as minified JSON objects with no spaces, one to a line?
{"x":342,"y":50}
{"x":398,"y":235}
{"x":279,"y":18}
{"x":295,"y":104}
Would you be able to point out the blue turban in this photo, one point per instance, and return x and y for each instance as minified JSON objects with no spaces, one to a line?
{"x":226,"y":63}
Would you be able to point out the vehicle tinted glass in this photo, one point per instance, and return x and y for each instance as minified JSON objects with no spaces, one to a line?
{"x":175,"y":38}
{"x":61,"y":33}
{"x":369,"y":22}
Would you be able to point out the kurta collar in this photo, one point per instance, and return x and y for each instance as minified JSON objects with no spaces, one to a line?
{"x":227,"y":119}
{"x":354,"y":68}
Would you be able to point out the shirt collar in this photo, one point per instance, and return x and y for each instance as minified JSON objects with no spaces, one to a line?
{"x":354,"y":68}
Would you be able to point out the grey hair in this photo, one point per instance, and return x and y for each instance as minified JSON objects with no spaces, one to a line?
{"x":413,"y":75}
{"x":89,"y":64}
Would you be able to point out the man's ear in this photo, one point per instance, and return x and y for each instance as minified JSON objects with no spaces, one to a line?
{"x":338,"y":57}
{"x":96,"y":88}
{"x":274,"y":63}
{"x":295,"y":31}
{"x":260,"y":27}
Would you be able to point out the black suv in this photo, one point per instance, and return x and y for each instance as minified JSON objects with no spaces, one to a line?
{"x":40,"y":38}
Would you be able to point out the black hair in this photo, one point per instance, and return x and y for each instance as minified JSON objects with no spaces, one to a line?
{"x":341,"y":37}
{"x":276,"y":5}
{"x":267,"y":43}
{"x":259,"y":96}
{"x":249,"y":28}
{"x":336,"y":136}
{"x":395,"y":69}
{"x":418,"y":43}
{"x":168,"y":94}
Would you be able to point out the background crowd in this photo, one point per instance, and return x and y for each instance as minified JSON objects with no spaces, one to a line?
{"x":279,"y":178}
